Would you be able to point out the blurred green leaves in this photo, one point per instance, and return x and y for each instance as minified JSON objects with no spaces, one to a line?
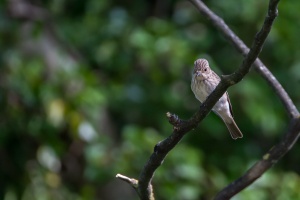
{"x":88,"y":100}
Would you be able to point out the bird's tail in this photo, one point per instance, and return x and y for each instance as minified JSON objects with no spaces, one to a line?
{"x":234,"y":130}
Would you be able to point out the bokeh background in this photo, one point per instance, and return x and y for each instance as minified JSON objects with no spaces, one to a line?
{"x":85,"y":85}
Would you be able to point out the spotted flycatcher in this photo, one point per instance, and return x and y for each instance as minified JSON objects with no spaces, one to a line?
{"x":204,"y":81}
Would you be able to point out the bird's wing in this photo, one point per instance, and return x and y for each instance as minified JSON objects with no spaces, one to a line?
{"x":230,"y":107}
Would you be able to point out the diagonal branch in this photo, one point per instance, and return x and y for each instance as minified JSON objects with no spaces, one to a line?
{"x":293,"y":133}
{"x":243,"y":49}
{"x":268,"y":160}
{"x":182,"y":127}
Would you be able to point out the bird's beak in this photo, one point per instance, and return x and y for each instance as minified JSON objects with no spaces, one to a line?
{"x":198,"y":73}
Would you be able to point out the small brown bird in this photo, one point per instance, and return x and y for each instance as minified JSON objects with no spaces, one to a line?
{"x":204,"y":81}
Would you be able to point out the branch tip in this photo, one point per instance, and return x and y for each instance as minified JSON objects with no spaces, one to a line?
{"x":173,"y":119}
{"x":133,"y":182}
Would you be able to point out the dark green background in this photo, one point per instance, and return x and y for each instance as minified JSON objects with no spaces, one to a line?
{"x":84,"y":92}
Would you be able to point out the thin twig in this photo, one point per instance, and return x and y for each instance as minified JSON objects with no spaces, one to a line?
{"x":133,"y":182}
{"x":219,"y":23}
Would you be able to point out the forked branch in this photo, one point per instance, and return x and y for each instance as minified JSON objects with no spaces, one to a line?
{"x":181,"y":127}
{"x":219,"y":23}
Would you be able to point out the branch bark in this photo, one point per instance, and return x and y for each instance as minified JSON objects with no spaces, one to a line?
{"x":181,"y":127}
{"x":293,"y":133}
{"x":267,"y":161}
{"x":219,"y":23}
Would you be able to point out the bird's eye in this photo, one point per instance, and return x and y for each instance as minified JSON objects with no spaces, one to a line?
{"x":205,"y":69}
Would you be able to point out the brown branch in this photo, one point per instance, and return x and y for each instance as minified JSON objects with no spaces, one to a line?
{"x":182,"y":127}
{"x":268,"y":160}
{"x":243,"y":49}
{"x":293,"y":133}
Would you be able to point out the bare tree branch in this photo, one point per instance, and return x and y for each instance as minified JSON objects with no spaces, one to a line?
{"x":243,"y":49}
{"x":268,"y":160}
{"x":181,"y":127}
{"x":293,"y":133}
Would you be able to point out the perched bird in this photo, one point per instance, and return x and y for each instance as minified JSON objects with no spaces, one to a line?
{"x":204,"y":81}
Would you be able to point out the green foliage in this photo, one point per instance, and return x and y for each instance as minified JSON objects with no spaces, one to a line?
{"x":86,"y":98}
